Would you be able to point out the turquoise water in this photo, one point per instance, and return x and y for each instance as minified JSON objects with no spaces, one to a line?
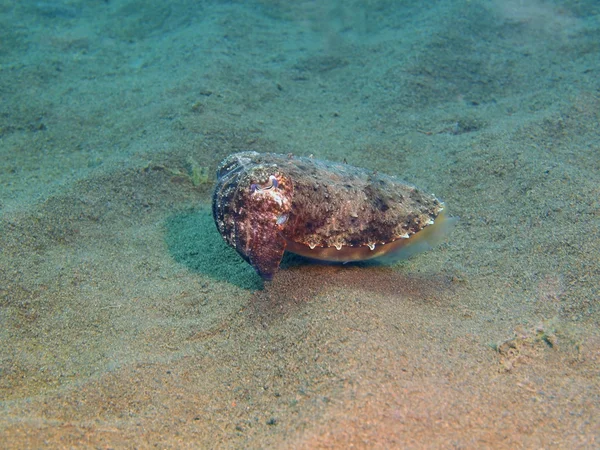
{"x":125,"y":321}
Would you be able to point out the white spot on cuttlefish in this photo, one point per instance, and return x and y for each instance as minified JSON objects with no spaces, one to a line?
{"x":371,"y":246}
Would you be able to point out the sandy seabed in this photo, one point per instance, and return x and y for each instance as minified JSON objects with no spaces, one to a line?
{"x":125,"y":320}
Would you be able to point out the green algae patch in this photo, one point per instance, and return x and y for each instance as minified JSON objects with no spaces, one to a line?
{"x":198,"y":174}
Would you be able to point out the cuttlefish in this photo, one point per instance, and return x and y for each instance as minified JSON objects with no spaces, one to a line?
{"x":265,"y":204}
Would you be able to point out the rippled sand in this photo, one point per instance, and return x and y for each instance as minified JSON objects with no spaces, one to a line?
{"x":126,"y":322}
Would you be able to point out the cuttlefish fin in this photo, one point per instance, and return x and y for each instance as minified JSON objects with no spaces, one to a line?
{"x":422,"y":241}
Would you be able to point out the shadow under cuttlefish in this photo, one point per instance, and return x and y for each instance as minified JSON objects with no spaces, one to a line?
{"x":193,"y":241}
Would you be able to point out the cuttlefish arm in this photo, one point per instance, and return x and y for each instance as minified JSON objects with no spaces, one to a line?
{"x":263,"y":247}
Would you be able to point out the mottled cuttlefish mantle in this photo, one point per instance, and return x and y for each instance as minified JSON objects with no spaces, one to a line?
{"x":266,"y":203}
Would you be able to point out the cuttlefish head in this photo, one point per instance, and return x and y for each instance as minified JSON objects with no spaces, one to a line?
{"x":251,"y":207}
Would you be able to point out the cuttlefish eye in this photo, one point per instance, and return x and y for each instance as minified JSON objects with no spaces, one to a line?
{"x":272,"y":183}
